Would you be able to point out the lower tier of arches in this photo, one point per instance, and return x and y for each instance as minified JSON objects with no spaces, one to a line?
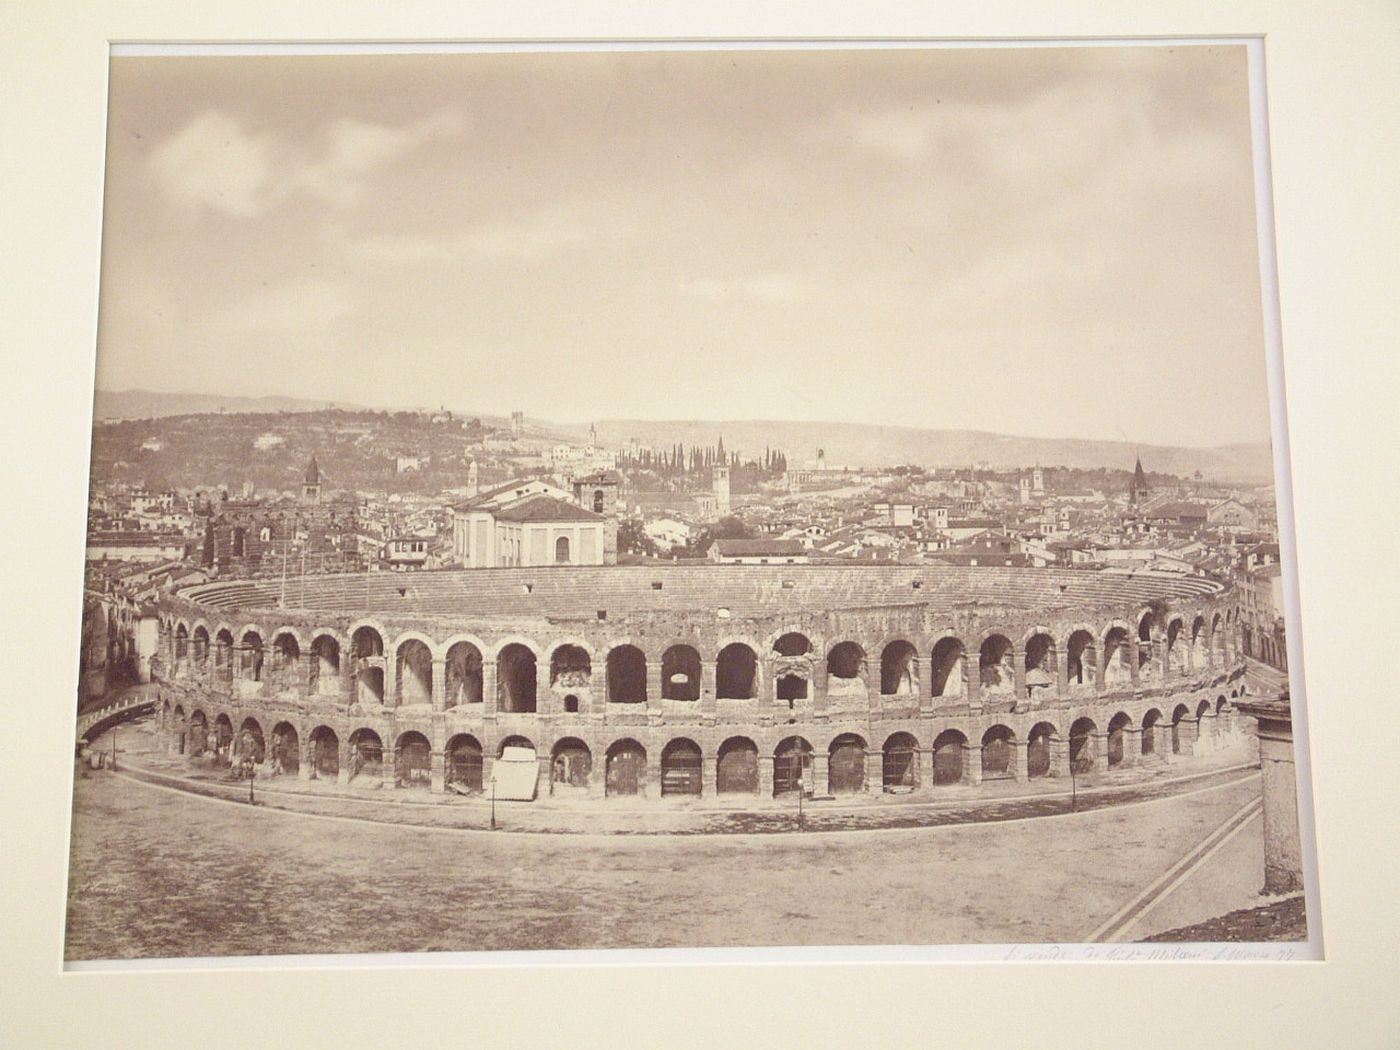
{"x":848,"y":757}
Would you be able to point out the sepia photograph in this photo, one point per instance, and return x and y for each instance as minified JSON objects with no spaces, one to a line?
{"x":563,"y":499}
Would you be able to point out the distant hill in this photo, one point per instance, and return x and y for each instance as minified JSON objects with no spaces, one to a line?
{"x":151,"y":404}
{"x":857,"y":444}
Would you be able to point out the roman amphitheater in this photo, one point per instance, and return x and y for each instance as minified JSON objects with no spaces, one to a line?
{"x":705,"y":681}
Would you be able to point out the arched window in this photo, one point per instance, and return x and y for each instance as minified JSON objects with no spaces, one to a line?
{"x":561,"y":550}
{"x":597,"y":501}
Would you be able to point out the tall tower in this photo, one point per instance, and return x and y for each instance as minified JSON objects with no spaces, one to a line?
{"x":1025,"y":489}
{"x":1038,"y":481}
{"x":473,"y":479}
{"x":601,"y":493}
{"x":721,"y":490}
{"x":1137,"y":488}
{"x":311,"y":484}
{"x":517,"y":423}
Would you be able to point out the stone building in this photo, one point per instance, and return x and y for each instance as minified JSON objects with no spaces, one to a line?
{"x":530,"y":523}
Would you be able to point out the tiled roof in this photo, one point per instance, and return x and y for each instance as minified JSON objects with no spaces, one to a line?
{"x":544,"y":508}
{"x":759,"y":548}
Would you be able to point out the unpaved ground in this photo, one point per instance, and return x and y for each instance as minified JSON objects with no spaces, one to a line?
{"x":157,"y":873}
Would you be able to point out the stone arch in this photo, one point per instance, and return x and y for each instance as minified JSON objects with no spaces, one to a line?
{"x":182,"y":650}
{"x":792,"y":766}
{"x":1081,"y":663}
{"x":570,"y":765}
{"x":681,"y":766}
{"x":947,"y":667}
{"x":562,"y":555}
{"x":736,"y":672}
{"x":367,"y":654}
{"x":1174,"y":648}
{"x":627,"y":675}
{"x":1039,"y":742}
{"x":516,"y":678}
{"x":681,"y":673}
{"x":413,"y":673}
{"x":413,"y":758}
{"x":250,"y":647}
{"x":325,"y":752}
{"x":845,"y":669}
{"x":1146,"y":641}
{"x":462,"y":676}
{"x":899,"y":669}
{"x":286,"y":661}
{"x":366,"y":754}
{"x":792,"y":643}
{"x":224,"y":654}
{"x":570,"y":667}
{"x":323,"y":674}
{"x":251,"y":741}
{"x":948,"y":749}
{"x":736,"y":767}
{"x":286,"y":749}
{"x":223,"y":735}
{"x":846,"y":765}
{"x":901,"y":765}
{"x":198,"y":733}
{"x":1117,"y":654}
{"x":995,"y":666}
{"x":1082,"y":745}
{"x":464,"y":763}
{"x":626,"y":764}
{"x":1181,"y":714}
{"x":998,"y":753}
{"x":1115,"y":743}
{"x":514,"y":740}
{"x":1150,"y":720}
{"x":1039,"y":661}
{"x":1200,"y":643}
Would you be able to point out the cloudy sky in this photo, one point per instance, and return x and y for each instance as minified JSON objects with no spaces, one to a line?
{"x":1051,"y":241}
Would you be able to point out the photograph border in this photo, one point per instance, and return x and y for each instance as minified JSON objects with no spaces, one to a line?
{"x":62,"y":61}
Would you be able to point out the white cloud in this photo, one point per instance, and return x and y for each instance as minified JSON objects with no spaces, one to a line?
{"x":215,"y":163}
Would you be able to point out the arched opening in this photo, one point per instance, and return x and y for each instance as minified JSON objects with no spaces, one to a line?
{"x":1038,"y":744}
{"x":366,"y":754}
{"x":626,"y":768}
{"x":627,"y":675}
{"x":901,"y":773}
{"x":680,"y":768}
{"x":223,"y":737}
{"x":182,"y":650}
{"x":561,"y":550}
{"x":1179,"y":716}
{"x":251,"y":647}
{"x":1203,"y":726}
{"x":792,"y":644}
{"x":1149,"y":731}
{"x":845,"y":669}
{"x":792,"y":767}
{"x":948,"y":749}
{"x":1200,"y":650}
{"x":199,"y":648}
{"x":198,"y":734}
{"x":324,"y":674}
{"x":1217,"y":639}
{"x":240,"y":541}
{"x":180,"y":729}
{"x":413,"y":765}
{"x":286,"y":749}
{"x":251,"y":742}
{"x":462,"y":677}
{"x":368,"y":649}
{"x":515,"y":679}
{"x":1175,"y":654}
{"x":570,"y":667}
{"x":286,"y":663}
{"x":1117,"y":671}
{"x":1079,"y":661}
{"x":998,"y":753}
{"x":899,"y":670}
{"x":736,"y":672}
{"x":413,"y":677}
{"x":223,"y":655}
{"x":1117,"y":729}
{"x":736,"y":770}
{"x":571,"y":764}
{"x":1145,"y":664}
{"x":680,"y":673}
{"x":947,"y":668}
{"x":1039,"y":663}
{"x":598,"y":501}
{"x":1081,"y":745}
{"x":997,"y":675}
{"x":846,"y":765}
{"x":464,"y":764}
{"x":325,"y":753}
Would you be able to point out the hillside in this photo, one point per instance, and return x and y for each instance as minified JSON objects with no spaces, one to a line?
{"x":854,"y":444}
